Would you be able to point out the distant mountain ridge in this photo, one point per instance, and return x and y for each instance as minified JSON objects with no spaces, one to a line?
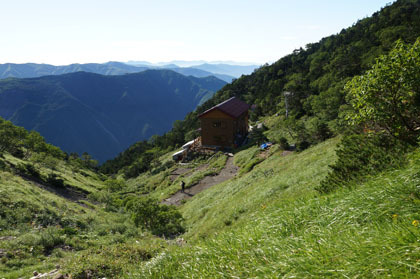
{"x":30,"y":70}
{"x":101,"y":114}
{"x":226,"y":69}
{"x":191,"y":63}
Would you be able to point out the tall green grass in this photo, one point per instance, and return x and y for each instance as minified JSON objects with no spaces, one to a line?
{"x":39,"y":229}
{"x":365,"y":231}
{"x":278,"y":178}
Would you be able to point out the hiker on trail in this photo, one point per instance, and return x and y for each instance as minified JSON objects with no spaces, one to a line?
{"x":182,"y":186}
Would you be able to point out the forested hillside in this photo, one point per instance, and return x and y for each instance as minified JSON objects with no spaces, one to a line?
{"x":102,"y":115}
{"x":314,"y":78}
{"x":315,"y":75}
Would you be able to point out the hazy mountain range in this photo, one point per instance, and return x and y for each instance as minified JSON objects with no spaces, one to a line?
{"x":191,"y":63}
{"x":101,"y":114}
{"x":224,"y":72}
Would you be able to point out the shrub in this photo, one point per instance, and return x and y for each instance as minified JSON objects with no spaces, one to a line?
{"x":361,"y":155}
{"x":161,"y":220}
{"x":114,"y":185}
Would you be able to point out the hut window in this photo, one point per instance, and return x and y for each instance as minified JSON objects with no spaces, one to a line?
{"x":217,"y":124}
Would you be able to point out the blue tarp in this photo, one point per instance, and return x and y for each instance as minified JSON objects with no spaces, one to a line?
{"x":265,"y":145}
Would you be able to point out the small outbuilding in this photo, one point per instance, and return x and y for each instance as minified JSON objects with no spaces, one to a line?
{"x":225,"y":125}
{"x":179,"y":155}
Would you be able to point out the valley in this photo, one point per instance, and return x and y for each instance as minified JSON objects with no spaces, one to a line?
{"x":85,"y":112}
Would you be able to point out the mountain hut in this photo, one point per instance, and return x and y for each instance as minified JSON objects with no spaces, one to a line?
{"x":225,"y":125}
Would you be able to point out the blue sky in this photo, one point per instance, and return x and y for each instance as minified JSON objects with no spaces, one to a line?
{"x":80,"y":31}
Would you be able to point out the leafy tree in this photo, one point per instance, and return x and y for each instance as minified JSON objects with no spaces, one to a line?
{"x":387,"y":97}
{"x":257,"y":134}
{"x":88,"y":161}
{"x":53,"y":151}
{"x":34,"y":142}
{"x":318,"y":129}
{"x":11,"y":136}
{"x":142,"y":164}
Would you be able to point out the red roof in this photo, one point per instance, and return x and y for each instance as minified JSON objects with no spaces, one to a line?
{"x":233,"y":107}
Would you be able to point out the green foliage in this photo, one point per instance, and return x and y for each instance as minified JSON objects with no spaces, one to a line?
{"x":161,"y":220}
{"x":11,"y":137}
{"x":363,"y":155}
{"x":318,"y":130}
{"x":142,"y":164}
{"x":387,"y":97}
{"x":14,"y":139}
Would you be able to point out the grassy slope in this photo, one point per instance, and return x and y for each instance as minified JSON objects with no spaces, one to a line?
{"x":284,"y":229}
{"x":39,"y":229}
{"x":82,"y":179}
{"x":268,"y":222}
{"x":277,"y":179}
{"x":29,"y":202}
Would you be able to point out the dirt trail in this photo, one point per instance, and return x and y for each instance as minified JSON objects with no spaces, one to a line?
{"x":226,"y":173}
